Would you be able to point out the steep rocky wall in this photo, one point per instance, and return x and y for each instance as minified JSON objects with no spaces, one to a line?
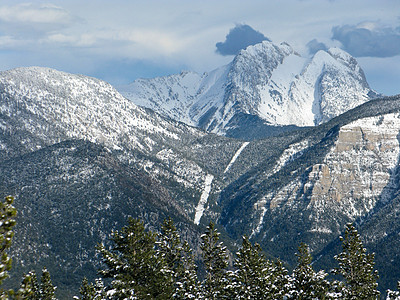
{"x":359,"y":167}
{"x":354,"y":175}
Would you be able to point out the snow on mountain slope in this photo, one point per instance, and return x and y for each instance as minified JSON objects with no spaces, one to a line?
{"x":74,"y":106}
{"x":354,"y":175}
{"x":273,"y":106}
{"x":210,"y":97}
{"x":270,"y":81}
{"x":335,"y":83}
{"x":186,"y":97}
{"x":40,"y":107}
{"x":171,"y":96}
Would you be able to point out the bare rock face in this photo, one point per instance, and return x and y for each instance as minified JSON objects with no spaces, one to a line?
{"x":357,"y":171}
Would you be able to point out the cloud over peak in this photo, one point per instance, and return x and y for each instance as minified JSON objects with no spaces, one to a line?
{"x":314,"y":46}
{"x":238,"y":38}
{"x":368,"y":39}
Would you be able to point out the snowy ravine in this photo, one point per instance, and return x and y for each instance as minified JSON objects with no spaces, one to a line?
{"x":207,"y":186}
{"x":203,"y":199}
{"x":235,"y":156}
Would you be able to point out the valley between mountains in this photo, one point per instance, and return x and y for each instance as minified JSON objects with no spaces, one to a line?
{"x":275,"y":146}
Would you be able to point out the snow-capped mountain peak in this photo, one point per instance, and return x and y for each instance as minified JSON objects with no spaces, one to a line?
{"x":271,"y":82}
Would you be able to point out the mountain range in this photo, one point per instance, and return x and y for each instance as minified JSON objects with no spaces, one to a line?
{"x":80,"y":158}
{"x":272,"y":84}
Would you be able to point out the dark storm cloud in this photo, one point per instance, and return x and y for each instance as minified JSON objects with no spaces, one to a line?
{"x":314,"y":46}
{"x":239,"y":38}
{"x":368,"y":40}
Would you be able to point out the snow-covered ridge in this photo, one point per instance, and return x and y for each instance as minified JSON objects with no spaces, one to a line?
{"x":80,"y":107}
{"x":43,"y":106}
{"x":270,"y":81}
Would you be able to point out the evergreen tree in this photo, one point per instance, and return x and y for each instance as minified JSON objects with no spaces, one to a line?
{"x":87,"y":290}
{"x":250,"y":280}
{"x":31,"y":283}
{"x":7,"y":222}
{"x":47,"y":289}
{"x":279,"y":282}
{"x":35,"y":286}
{"x":188,"y":286}
{"x":33,"y":290}
{"x":394,"y":295}
{"x":180,"y":267}
{"x":307,"y":283}
{"x":25,"y":290}
{"x":170,"y":251}
{"x":356,"y":267}
{"x":133,"y":265}
{"x":99,"y":290}
{"x":215,"y":260}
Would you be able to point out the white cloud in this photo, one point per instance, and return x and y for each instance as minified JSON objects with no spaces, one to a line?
{"x":30,"y":13}
{"x":79,"y":41}
{"x":130,"y":43}
{"x":8,"y":42}
{"x":153,"y":40}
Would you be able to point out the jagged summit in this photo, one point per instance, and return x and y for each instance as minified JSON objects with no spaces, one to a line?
{"x":271,"y":82}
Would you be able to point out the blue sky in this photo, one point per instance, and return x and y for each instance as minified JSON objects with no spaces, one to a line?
{"x":121,"y":40}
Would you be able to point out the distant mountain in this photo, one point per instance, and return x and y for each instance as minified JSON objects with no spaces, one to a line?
{"x":80,"y":158}
{"x":272,"y":83}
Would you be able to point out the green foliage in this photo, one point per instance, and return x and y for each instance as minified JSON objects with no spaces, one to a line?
{"x":87,"y":290}
{"x":250,"y":280}
{"x":133,"y":265}
{"x":100,"y":290}
{"x":308,"y":284}
{"x":7,"y":222}
{"x":356,"y":267}
{"x":26,"y":290}
{"x":170,"y":251}
{"x":31,"y":284}
{"x":180,"y":268}
{"x":31,"y":289}
{"x":215,"y":261}
{"x":279,"y":281}
{"x":47,"y":289}
{"x":188,"y":286}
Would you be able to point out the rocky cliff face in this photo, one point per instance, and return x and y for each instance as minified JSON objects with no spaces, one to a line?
{"x":357,"y":171}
